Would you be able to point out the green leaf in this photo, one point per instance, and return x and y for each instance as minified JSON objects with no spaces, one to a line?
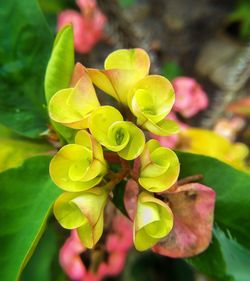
{"x":26,"y":196}
{"x":231,"y":212}
{"x":24,"y":51}
{"x":118,"y":198}
{"x":225,"y":259}
{"x":241,"y":15}
{"x":171,"y":70}
{"x":15,"y":149}
{"x":61,"y":63}
{"x":126,"y":3}
{"x":59,"y":72}
{"x":40,"y":265}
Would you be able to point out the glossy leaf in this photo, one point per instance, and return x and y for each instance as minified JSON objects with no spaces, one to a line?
{"x":225,"y":259}
{"x":232,"y":197}
{"x":24,"y":53}
{"x":61,"y":63}
{"x":14,"y":149}
{"x":59,"y":71}
{"x":26,"y":194}
{"x":41,"y":265}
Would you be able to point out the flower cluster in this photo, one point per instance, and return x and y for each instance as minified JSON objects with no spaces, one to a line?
{"x":82,"y":169}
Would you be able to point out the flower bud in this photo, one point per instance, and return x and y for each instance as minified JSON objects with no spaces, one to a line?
{"x":72,"y":107}
{"x":79,"y":166}
{"x":107,"y":126}
{"x":160,"y":167}
{"x":151,"y":100}
{"x":153,"y":221}
{"x":84,"y":211}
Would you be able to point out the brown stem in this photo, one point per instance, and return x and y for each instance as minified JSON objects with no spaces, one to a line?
{"x":111,"y":157}
{"x":186,"y":180}
{"x":115,"y":178}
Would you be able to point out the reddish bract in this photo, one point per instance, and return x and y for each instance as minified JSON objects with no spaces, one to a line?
{"x":193,"y":208}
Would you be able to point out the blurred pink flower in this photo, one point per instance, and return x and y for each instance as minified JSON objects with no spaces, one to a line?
{"x":229,"y":128}
{"x":69,"y":257}
{"x":88,"y":25}
{"x":117,"y":244}
{"x":190,"y":97}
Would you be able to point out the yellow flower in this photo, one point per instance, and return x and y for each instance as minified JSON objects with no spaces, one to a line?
{"x":79,"y":166}
{"x":153,"y":221}
{"x":160,"y":167}
{"x":84,"y":211}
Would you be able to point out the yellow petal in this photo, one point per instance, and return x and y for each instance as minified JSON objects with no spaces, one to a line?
{"x":152,"y":97}
{"x":72,"y":106}
{"x":123,"y":68}
{"x":153,"y":221}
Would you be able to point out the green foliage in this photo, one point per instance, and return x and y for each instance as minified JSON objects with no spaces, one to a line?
{"x":241,"y":14}
{"x":15,"y":149}
{"x":23,"y":212}
{"x":40,"y":265}
{"x":231,"y":240}
{"x":24,"y":51}
{"x":61,"y":63}
{"x":171,"y":70}
{"x":224,"y":260}
{"x":118,"y":197}
{"x":59,"y":72}
{"x":126,"y":3}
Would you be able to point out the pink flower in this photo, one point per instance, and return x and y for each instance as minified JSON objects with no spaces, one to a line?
{"x":88,"y":25}
{"x":69,"y":257}
{"x":190,"y":97}
{"x":117,"y":244}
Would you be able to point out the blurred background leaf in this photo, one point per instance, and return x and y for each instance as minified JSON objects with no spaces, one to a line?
{"x":241,"y":15}
{"x":171,"y":70}
{"x":24,"y":51}
{"x":231,"y":242}
{"x":26,"y":196}
{"x":149,"y":266}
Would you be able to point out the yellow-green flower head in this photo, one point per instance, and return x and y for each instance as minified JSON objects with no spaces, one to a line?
{"x":122,"y":69}
{"x":151,"y":100}
{"x":108,"y":127}
{"x":84,"y":211}
{"x":153,"y":221}
{"x":72,"y":107}
{"x":79,"y":166}
{"x":160,"y":167}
